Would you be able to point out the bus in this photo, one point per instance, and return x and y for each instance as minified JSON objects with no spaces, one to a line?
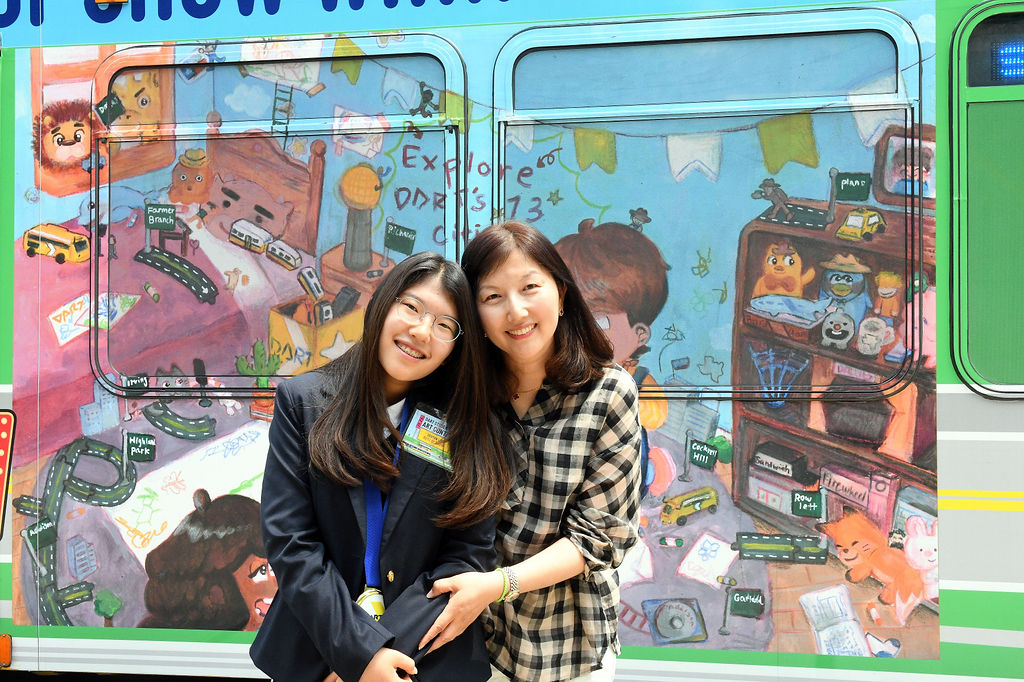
{"x":701,"y":165}
{"x":677,"y":509}
{"x":249,"y":236}
{"x":284,"y":255}
{"x":57,"y":242}
{"x":310,"y":282}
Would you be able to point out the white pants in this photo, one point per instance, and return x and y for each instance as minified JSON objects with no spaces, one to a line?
{"x":605,"y":674}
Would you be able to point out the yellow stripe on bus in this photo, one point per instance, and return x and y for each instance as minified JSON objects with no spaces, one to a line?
{"x":948,"y":492}
{"x":982,"y":505}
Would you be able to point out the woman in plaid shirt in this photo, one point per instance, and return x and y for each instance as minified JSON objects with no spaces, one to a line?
{"x":550,"y":610}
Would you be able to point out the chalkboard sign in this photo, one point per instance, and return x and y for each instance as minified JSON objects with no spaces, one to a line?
{"x":139,"y":447}
{"x":748,"y":603}
{"x":399,"y":238}
{"x":41,"y":534}
{"x":853,"y":186}
{"x":109,"y":108}
{"x":160,"y":217}
{"x":702,"y":454}
{"x":136,"y":383}
{"x":807,"y":504}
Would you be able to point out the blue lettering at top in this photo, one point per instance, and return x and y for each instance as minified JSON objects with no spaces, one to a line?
{"x":104,"y":13}
{"x":99,"y":13}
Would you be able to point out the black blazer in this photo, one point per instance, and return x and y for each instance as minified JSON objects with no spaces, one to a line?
{"x":315,"y":534}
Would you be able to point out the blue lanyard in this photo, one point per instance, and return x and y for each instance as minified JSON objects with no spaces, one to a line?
{"x":376,"y":510}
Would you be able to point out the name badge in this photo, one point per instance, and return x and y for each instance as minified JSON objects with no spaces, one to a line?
{"x":371,"y":600}
{"x":427,"y":437}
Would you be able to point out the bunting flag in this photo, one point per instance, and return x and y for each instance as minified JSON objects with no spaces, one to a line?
{"x":520,"y":136}
{"x":344,"y":47}
{"x":782,"y":138}
{"x":452,"y":109}
{"x":788,"y":138}
{"x":595,"y":146}
{"x":401,"y":88}
{"x":688,"y":153}
{"x":871,"y":123}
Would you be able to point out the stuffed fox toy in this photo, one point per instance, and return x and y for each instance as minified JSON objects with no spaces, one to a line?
{"x":864,"y":550}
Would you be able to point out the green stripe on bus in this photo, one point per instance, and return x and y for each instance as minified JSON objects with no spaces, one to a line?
{"x":129,"y":634}
{"x":991,"y":610}
{"x":969,"y":660}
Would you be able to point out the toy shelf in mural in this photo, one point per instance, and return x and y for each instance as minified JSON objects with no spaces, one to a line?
{"x":839,"y":310}
{"x":211,"y":218}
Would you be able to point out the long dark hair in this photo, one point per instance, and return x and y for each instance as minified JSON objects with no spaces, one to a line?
{"x":345,"y":442}
{"x":582,"y":350}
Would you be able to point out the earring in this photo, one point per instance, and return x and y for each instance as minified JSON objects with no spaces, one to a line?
{"x":561,"y":311}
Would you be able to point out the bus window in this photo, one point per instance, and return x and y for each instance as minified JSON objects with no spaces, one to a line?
{"x":689,"y":118}
{"x":300,"y":181}
{"x":988,"y":218}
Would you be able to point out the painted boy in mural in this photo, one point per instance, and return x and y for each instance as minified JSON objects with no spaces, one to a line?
{"x":623,"y":277}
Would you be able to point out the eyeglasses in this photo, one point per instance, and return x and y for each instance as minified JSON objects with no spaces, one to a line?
{"x":444,"y":328}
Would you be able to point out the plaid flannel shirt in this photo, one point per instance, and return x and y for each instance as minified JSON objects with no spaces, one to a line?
{"x":579,"y":478}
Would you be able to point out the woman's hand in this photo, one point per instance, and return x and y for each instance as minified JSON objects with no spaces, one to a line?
{"x":470,"y":594}
{"x":385,"y":666}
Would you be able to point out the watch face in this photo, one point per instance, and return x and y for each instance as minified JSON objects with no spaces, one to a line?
{"x":675,"y":620}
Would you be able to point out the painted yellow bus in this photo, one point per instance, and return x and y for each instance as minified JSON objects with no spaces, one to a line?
{"x":59,"y":243}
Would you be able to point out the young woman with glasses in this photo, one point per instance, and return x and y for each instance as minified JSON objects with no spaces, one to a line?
{"x":383,"y":475}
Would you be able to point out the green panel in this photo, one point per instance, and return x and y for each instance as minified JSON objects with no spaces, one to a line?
{"x":995,"y":241}
{"x":6,"y":582}
{"x":947,"y":14}
{"x":993,"y":610}
{"x":6,"y":216}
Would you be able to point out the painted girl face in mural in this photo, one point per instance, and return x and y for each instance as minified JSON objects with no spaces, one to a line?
{"x":215,"y":551}
{"x":258,"y":585}
{"x":519,"y":303}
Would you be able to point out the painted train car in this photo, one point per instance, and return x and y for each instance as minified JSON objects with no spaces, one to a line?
{"x":796,"y":222}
